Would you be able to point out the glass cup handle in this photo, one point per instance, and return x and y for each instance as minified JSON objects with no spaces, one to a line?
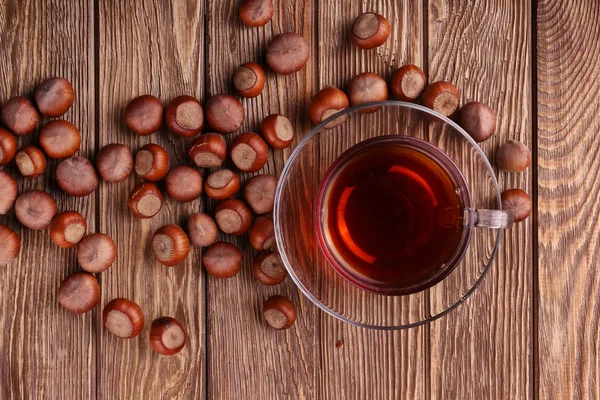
{"x":487,"y":218}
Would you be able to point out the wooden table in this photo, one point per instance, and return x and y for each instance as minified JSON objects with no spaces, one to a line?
{"x":531,"y":329}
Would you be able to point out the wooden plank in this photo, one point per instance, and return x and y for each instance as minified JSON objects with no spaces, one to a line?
{"x":46,"y":352}
{"x":248,"y":359}
{"x":371,"y":364}
{"x":568,"y":65}
{"x":483,"y":349}
{"x":149,"y":47}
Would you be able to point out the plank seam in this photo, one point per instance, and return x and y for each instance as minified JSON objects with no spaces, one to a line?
{"x":96,"y":98}
{"x":534,"y":378}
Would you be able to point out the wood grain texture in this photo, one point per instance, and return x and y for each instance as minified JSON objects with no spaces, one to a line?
{"x":483,"y":349}
{"x":149,"y":48}
{"x":568,"y":45}
{"x":371,"y":364}
{"x":46,"y":352}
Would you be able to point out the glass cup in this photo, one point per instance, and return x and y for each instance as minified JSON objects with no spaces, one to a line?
{"x":300,"y":215}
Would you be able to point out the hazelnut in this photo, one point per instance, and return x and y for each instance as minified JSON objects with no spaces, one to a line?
{"x":185,"y":116}
{"x":370,"y":30}
{"x":8,"y":146}
{"x":224,"y":113}
{"x":259,"y":193}
{"x":60,"y":139}
{"x":167,"y":336}
{"x":31,"y":161}
{"x":222,"y":184}
{"x":366,"y":88}
{"x":67,"y":229}
{"x":268,"y":268}
{"x":262,"y":234}
{"x":8,"y":192}
{"x":249,"y":152}
{"x":145,"y":200}
{"x":10,"y":245}
{"x":279,"y":312}
{"x":170,"y":245}
{"x":35,"y":209}
{"x":478,"y":120}
{"x":96,"y":252}
{"x":76,"y":176}
{"x":222,"y":260}
{"x":202,"y":230}
{"x":256,"y":12}
{"x":249,"y":80}
{"x":233,"y":217}
{"x":208,"y":151}
{"x":20,"y":116}
{"x":54,"y":97}
{"x":513,"y":156}
{"x":184,"y":183}
{"x":278,"y":131}
{"x":152,"y":162}
{"x":408,"y":82}
{"x":114,"y":163}
{"x":442,"y":97}
{"x":516,"y":202}
{"x":144,"y":115}
{"x":327,"y":102}
{"x":123,"y":318}
{"x":287,"y":53}
{"x":79,"y":292}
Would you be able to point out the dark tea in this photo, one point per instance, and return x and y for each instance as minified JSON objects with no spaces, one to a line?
{"x":391,"y":215}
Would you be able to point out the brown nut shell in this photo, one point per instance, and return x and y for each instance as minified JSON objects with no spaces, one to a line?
{"x":513,"y":156}
{"x":478,"y":120}
{"x":279,"y":312}
{"x":20,"y":116}
{"x":167,"y":336}
{"x":327,"y":102}
{"x":224,"y":113}
{"x":249,"y":152}
{"x":31,"y":161}
{"x":408,"y":82}
{"x":35,"y":209}
{"x":144,"y":115}
{"x":76,"y":176}
{"x":123,"y":318}
{"x":202,"y":230}
{"x":370,"y":30}
{"x":54,"y":97}
{"x":114,"y":163}
{"x":249,"y":80}
{"x":8,"y":192}
{"x":170,"y":245}
{"x":287,"y":53}
{"x":262,"y":234}
{"x":8,"y":146}
{"x":60,"y":139}
{"x":366,"y":88}
{"x":256,"y":12}
{"x":184,"y":183}
{"x":278,"y":131}
{"x":208,"y":151}
{"x":518,"y":203}
{"x":152,"y":162}
{"x":96,"y":252}
{"x":442,"y":97}
{"x":222,"y":184}
{"x":268,"y":268}
{"x":67,"y":229}
{"x":10,"y":245}
{"x":79,"y":292}
{"x":185,"y":116}
{"x":222,"y":260}
{"x":259,"y":193}
{"x":145,"y":200}
{"x":233,"y":217}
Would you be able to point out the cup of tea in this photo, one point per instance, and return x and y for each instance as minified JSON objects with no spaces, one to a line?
{"x":388,"y":219}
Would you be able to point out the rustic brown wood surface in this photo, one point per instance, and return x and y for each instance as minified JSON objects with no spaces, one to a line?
{"x":529,"y":331}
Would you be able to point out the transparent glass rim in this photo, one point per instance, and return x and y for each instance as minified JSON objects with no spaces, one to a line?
{"x":286,"y":171}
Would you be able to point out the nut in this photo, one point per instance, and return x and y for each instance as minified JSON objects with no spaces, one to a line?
{"x":249,"y":80}
{"x":513,"y":156}
{"x":170,"y":245}
{"x":31,"y":161}
{"x":370,"y":30}
{"x":76,"y":176}
{"x":366,"y":88}
{"x":67,"y":229}
{"x":224,"y":113}
{"x":442,"y":97}
{"x":60,"y":139}
{"x":184,"y":183}
{"x":262,"y":234}
{"x":256,"y":12}
{"x":20,"y":116}
{"x":114,"y":163}
{"x":408,"y":82}
{"x":54,"y":97}
{"x":185,"y":116}
{"x":35,"y":209}
{"x":96,"y":252}
{"x":123,"y":318}
{"x":287,"y":53}
{"x":208,"y":151}
{"x":259,"y":193}
{"x":279,"y":312}
{"x":145,"y":200}
{"x":516,"y":202}
{"x":249,"y":152}
{"x":327,"y":102}
{"x":79,"y":292}
{"x":8,"y":146}
{"x":222,"y":260}
{"x":222,"y":184}
{"x":8,"y":192}
{"x":278,"y":131}
{"x":202,"y":230}
{"x":144,"y":115}
{"x":10,"y":245}
{"x":167,"y":336}
{"x":233,"y":217}
{"x":478,"y":120}
{"x":268,"y":268}
{"x":152,"y":162}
